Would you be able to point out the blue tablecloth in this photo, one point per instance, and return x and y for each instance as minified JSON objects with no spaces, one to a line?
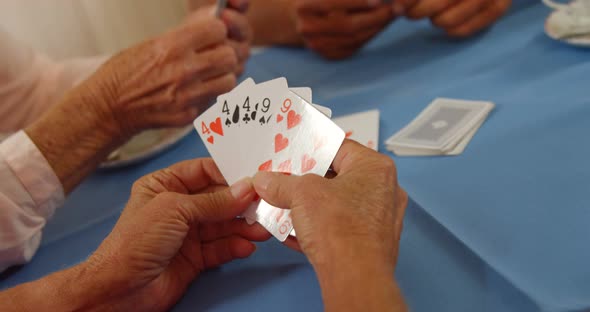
{"x":503,"y":227}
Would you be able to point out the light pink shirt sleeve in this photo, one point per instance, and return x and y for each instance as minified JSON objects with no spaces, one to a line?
{"x":29,"y":189}
{"x":29,"y":194}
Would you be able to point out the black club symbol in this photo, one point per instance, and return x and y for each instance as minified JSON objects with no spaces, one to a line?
{"x":246,"y":118}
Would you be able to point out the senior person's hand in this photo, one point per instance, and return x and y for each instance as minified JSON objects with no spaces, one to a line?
{"x":169,"y":80}
{"x":460,"y":18}
{"x":337,"y":29}
{"x":163,"y":82}
{"x":348,"y":226}
{"x":178,"y":222}
{"x":240,"y":31}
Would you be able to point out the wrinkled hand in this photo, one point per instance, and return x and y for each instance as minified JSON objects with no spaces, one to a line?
{"x":337,"y":29}
{"x":239,"y":38}
{"x":169,"y":80}
{"x":460,"y":18}
{"x":167,"y":235}
{"x":356,"y":215}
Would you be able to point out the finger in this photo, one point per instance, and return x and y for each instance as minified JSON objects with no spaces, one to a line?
{"x":349,"y":156}
{"x":185,"y":177}
{"x":477,"y":23}
{"x":225,"y":250}
{"x":292,"y":243}
{"x":182,"y":106}
{"x":331,"y":5}
{"x":428,"y":8}
{"x":200,"y":94}
{"x":286,"y":191}
{"x":214,"y":231}
{"x":276,"y":189}
{"x":341,"y":42}
{"x":345,"y":23}
{"x":200,"y":31}
{"x":335,"y":54}
{"x":238,"y":26}
{"x":209,"y":207}
{"x":239,"y":5}
{"x":242,"y":51}
{"x":459,"y":13}
{"x":211,"y":63}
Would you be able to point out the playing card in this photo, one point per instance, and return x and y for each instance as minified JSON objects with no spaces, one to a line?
{"x":361,"y":127}
{"x":457,"y":150}
{"x":303,"y":92}
{"x":305,"y":141}
{"x":444,"y":121}
{"x":294,"y":137}
{"x":221,"y":5}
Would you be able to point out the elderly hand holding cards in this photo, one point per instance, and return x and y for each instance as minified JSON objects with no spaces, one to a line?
{"x":182,"y":220}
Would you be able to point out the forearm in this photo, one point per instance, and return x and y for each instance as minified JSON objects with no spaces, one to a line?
{"x":75,"y":137}
{"x":74,"y":289}
{"x":359,"y":285}
{"x":274,"y":22}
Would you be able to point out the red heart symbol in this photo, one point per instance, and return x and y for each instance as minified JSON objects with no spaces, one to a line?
{"x":285,"y":166}
{"x":211,"y":139}
{"x":280,"y":143}
{"x":279,"y":118}
{"x":293,"y":119}
{"x":348,"y":134}
{"x":267,"y":166}
{"x":216,"y":126}
{"x":307,"y":163}
{"x":319,"y":143}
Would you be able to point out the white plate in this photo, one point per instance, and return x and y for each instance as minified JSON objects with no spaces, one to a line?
{"x":550,"y":30}
{"x":145,"y":145}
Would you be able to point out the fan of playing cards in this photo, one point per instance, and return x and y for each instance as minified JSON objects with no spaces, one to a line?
{"x":269,"y":127}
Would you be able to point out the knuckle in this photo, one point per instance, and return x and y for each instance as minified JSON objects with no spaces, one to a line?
{"x":166,"y":198}
{"x":386,"y":170}
{"x":138,"y":185}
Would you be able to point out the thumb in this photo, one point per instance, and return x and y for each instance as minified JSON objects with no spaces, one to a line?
{"x":217,"y":206}
{"x":277,"y":189}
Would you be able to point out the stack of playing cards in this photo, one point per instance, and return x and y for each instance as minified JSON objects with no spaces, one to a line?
{"x":445,"y":127}
{"x":269,"y":127}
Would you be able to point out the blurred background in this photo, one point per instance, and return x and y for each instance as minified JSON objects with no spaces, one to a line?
{"x":69,"y":28}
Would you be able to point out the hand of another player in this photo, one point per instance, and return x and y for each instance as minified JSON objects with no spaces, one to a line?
{"x":167,"y":81}
{"x":356,"y":216}
{"x":178,"y":222}
{"x":460,"y":18}
{"x":337,"y":29}
{"x":240,"y":32}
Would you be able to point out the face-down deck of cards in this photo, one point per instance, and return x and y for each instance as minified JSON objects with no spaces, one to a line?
{"x":272,"y":127}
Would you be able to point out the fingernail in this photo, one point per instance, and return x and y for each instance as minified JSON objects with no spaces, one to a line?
{"x":241,"y":188}
{"x":262,"y":180}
